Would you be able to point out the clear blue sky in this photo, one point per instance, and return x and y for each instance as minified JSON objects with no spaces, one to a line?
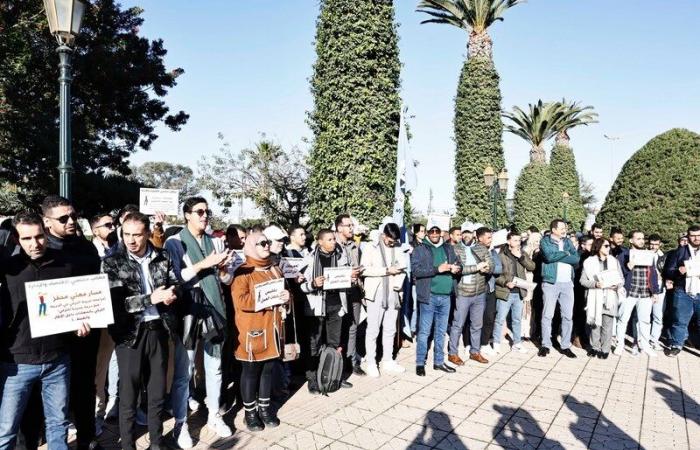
{"x":247,"y":65}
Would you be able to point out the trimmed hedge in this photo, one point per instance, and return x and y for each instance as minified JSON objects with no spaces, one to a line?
{"x":532,"y":201}
{"x":564,"y":178}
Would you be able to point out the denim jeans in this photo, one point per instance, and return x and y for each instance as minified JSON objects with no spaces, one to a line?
{"x":684,"y":306}
{"x":472,"y":307}
{"x":17,"y":381}
{"x":435,"y":313}
{"x":184,"y":365}
{"x":564,"y":294}
{"x":514,"y":305}
{"x":643,"y":325}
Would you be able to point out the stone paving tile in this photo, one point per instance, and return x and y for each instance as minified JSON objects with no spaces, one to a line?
{"x":423,"y":435}
{"x":305,"y":440}
{"x":366,"y":438}
{"x":568,"y":435}
{"x":455,"y":442}
{"x":476,"y":431}
{"x":388,"y":425}
{"x":507,"y":439}
{"x":401,"y":444}
{"x":353,"y":415}
{"x":332,"y":428}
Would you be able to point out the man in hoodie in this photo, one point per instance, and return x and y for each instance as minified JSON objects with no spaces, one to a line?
{"x":61,"y":223}
{"x":559,"y":260}
{"x":433,"y":264}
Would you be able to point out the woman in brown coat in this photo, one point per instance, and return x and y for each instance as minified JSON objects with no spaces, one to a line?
{"x":259,"y":333}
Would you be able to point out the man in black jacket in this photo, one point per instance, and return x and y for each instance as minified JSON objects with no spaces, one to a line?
{"x":61,"y":223}
{"x":27,"y":362}
{"x":142,"y":284}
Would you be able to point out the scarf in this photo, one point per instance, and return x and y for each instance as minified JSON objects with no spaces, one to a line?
{"x":386,"y":279}
{"x":208,"y":279}
{"x":318,"y":270}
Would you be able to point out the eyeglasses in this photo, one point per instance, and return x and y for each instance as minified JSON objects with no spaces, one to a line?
{"x":64,"y":219}
{"x":108,"y":225}
{"x":201,"y":212}
{"x":264,"y":243}
{"x":347,"y":225}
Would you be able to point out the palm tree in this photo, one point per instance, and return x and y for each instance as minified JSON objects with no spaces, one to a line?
{"x":575,"y":115}
{"x":536,"y":126}
{"x":475,"y":16}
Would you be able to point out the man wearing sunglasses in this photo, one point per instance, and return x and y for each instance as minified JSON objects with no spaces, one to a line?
{"x":104,"y":235}
{"x":61,"y":223}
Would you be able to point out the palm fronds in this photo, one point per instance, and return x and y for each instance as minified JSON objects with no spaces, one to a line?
{"x":472,"y":15}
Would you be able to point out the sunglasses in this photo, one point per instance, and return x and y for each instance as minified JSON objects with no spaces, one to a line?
{"x":108,"y":225}
{"x":264,"y":243}
{"x":64,"y":219}
{"x":434,"y":232}
{"x":201,"y":212}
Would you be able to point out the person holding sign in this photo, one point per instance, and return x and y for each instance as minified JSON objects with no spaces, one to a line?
{"x":26,"y":362}
{"x":642,"y":287}
{"x":260,"y":331}
{"x":601,"y":296}
{"x":683,"y":267}
{"x":384,"y":275}
{"x":143,"y":287}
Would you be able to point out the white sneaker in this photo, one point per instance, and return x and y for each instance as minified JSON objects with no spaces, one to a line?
{"x":487,"y":350}
{"x":393,"y":367}
{"x":181,"y":434}
{"x":648,"y":350}
{"x":193,"y":404}
{"x":497,"y":348}
{"x":72,"y":431}
{"x":519,"y":348}
{"x":635,"y":351}
{"x":111,"y":408}
{"x":372,"y":370}
{"x":618,"y":350}
{"x":217,"y":425}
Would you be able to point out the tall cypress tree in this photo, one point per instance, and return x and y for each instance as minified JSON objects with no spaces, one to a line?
{"x":355,"y":120}
{"x":532,"y":201}
{"x":564,"y":178}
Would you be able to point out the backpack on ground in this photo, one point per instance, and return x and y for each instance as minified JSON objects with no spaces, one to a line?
{"x":330,"y":370}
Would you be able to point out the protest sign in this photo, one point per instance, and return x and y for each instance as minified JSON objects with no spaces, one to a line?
{"x":609,"y":278}
{"x":337,"y":278}
{"x":524,"y":284}
{"x":269,"y":294}
{"x":159,"y":200}
{"x":63,"y":304}
{"x":294,"y":266}
{"x":500,"y":237}
{"x":441,"y":221}
{"x":642,"y":257}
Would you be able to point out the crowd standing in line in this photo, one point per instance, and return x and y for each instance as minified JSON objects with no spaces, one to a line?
{"x":180,"y":290}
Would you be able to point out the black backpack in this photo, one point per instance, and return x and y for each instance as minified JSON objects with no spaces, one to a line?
{"x":330,"y":370}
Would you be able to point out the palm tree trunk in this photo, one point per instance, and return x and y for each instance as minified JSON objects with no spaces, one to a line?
{"x":538,"y":155}
{"x":562,"y":139}
{"x":480,"y":44}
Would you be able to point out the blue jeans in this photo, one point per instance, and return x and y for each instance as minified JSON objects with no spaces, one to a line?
{"x":17,"y":381}
{"x":180,"y":391}
{"x":434,"y":313}
{"x":564,"y":294}
{"x":472,"y":307}
{"x":684,"y":306}
{"x":514,"y":305}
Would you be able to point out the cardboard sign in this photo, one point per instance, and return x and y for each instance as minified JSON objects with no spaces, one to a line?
{"x":609,"y":278}
{"x":642,"y":257}
{"x":442,"y":221}
{"x":294,"y":266}
{"x":524,"y":284}
{"x":269,"y":294}
{"x":499,"y":238}
{"x":62,"y":305}
{"x":154,"y":200}
{"x":337,"y":278}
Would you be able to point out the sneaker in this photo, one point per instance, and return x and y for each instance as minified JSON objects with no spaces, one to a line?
{"x":635,"y":351}
{"x":486,"y":349}
{"x":217,"y":425}
{"x":618,"y":350}
{"x":392,"y":367}
{"x":313,"y":387}
{"x":141,"y":418}
{"x":420,"y":371}
{"x":372,"y":371}
{"x":673,"y":352}
{"x":649,"y":351}
{"x":519,"y":348}
{"x":72,"y":431}
{"x":193,"y":404}
{"x":181,"y":434}
{"x":357,"y":370}
{"x":568,"y":353}
{"x":543,"y":351}
{"x":496,"y":348}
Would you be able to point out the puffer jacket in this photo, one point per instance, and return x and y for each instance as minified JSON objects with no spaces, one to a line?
{"x":128,"y":304}
{"x":478,"y":283}
{"x":523,"y":265}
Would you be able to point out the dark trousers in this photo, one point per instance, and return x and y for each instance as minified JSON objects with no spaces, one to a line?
{"x":350,"y":332}
{"x":83,"y":355}
{"x":489,"y":318}
{"x":146,"y":363}
{"x":256,"y":381}
{"x":322,"y":330}
{"x":579,"y":317}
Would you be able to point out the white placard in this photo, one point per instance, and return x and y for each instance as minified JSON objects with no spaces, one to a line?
{"x":269,"y":294}
{"x":524,"y":284}
{"x":294,"y":266}
{"x":692,"y":268}
{"x":159,"y":200}
{"x":500,"y":237}
{"x":61,"y":305}
{"x":609,"y":278}
{"x":240,"y":254}
{"x":337,"y":278}
{"x":442,"y":221}
{"x":642,"y":257}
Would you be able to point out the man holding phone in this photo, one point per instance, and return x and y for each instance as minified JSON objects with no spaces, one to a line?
{"x":384,"y":275}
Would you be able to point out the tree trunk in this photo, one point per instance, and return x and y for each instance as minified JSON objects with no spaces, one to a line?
{"x":562,"y":139}
{"x":537,"y":154}
{"x":480,"y":44}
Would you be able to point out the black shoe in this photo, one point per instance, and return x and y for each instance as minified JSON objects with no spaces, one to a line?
{"x":420,"y":371}
{"x":673,"y":352}
{"x":592,"y":353}
{"x":568,"y":353}
{"x":544,"y":351}
{"x":252,"y":421}
{"x":602,"y":355}
{"x":313,"y":387}
{"x":345,"y":384}
{"x":268,"y":417}
{"x":357,"y":370}
{"x":444,"y":368}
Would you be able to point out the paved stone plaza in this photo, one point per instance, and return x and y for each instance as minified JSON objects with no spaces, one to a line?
{"x":517,"y":401}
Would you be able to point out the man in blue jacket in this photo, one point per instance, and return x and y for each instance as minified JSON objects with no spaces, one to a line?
{"x":686,"y":297}
{"x":433,"y":264}
{"x":559,"y":260}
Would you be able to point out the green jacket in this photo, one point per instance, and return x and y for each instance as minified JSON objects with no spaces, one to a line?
{"x":551,"y":255}
{"x":523,"y":265}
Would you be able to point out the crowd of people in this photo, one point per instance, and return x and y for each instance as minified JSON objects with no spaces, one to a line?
{"x":185,"y":307}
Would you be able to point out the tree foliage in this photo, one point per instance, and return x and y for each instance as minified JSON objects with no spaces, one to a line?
{"x":274,"y":179}
{"x":355,"y":119}
{"x":565,"y":178}
{"x":119,"y":82}
{"x":476,"y":15}
{"x":10,"y":202}
{"x":532,"y":201}
{"x":588,"y":197}
{"x":657,"y":190}
{"x":165,"y":175}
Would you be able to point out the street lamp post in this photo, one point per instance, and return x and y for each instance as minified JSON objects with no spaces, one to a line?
{"x":496,"y":186}
{"x":64,"y":17}
{"x":565,"y":201}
